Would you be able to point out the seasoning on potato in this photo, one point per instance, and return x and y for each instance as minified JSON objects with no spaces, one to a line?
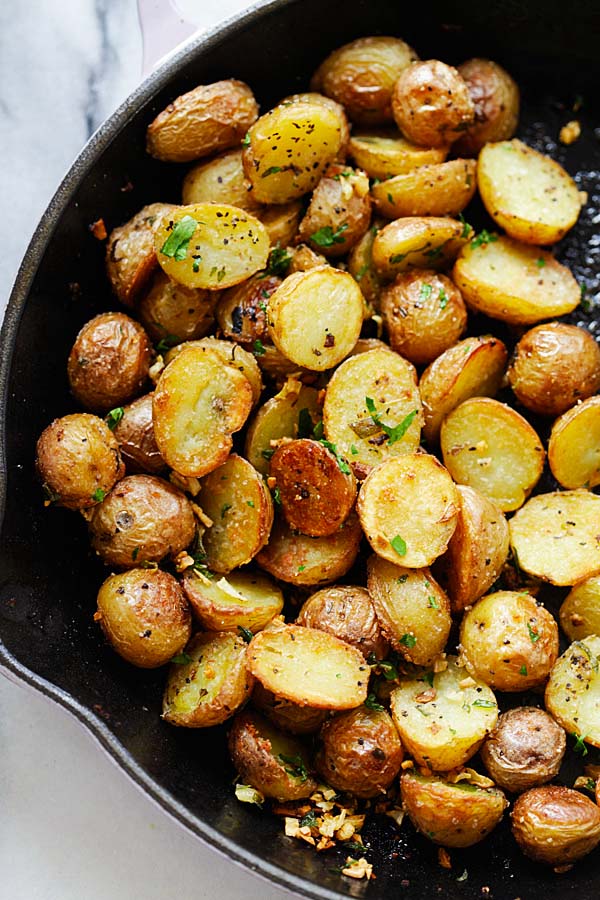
{"x":442,"y":189}
{"x":579,"y":614}
{"x":247,"y":600}
{"x":524,"y":750}
{"x":431,"y":103}
{"x":417,"y":242}
{"x":383,"y":153}
{"x":339,"y":212}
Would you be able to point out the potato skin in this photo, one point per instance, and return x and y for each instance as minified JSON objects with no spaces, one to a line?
{"x":145,"y":616}
{"x":285,"y":714}
{"x":340,"y":203}
{"x":142,"y":520}
{"x":209,"y":118}
{"x":524,"y":750}
{"x":347,"y":612}
{"x":130,"y":254}
{"x":431,"y":103}
{"x":109,"y":362}
{"x":495,"y":96}
{"x":554,"y":366}
{"x":555,"y":825}
{"x":440,"y":189}
{"x":78,"y":460}
{"x":360,"y":752}
{"x":242,"y":310}
{"x":173,"y":313}
{"x":135,"y":434}
{"x":220,"y":180}
{"x":579,"y":614}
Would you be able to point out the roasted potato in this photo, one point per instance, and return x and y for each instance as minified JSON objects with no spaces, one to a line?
{"x":348,"y":613}
{"x":457,"y":814}
{"x":360,"y":75}
{"x":359,"y":752}
{"x":412,"y":609}
{"x":109,"y":362}
{"x":555,"y":825}
{"x":172,"y":313}
{"x":232,"y":355}
{"x":526,"y":193}
{"x":495,"y":96}
{"x":360,"y":266}
{"x":142,"y":520}
{"x":408,"y":508}
{"x":424,"y":314}
{"x":220,"y":180}
{"x":270,"y":761}
{"x":330,"y":103}
{"x":209,"y":118}
{"x":383,"y":153}
{"x":145,"y":616}
{"x":509,"y":641}
{"x":339,"y":212}
{"x":130,"y":254}
{"x":579,"y":614}
{"x":209,"y":683}
{"x":281,"y":417}
{"x":554,"y":366}
{"x":443,"y":717}
{"x":134,"y":431}
{"x":245,"y":599}
{"x":441,"y":189}
{"x":78,"y":461}
{"x":524,"y":750}
{"x":417,"y":242}
{"x":242,"y":310}
{"x":304,"y":258}
{"x":574,"y":446}
{"x":282,"y":222}
{"x":309,"y":667}
{"x":286,"y":715}
{"x":431,"y":103}
{"x":573,"y":691}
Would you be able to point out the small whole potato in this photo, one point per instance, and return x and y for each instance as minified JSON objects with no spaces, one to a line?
{"x":555,"y":825}
{"x":173,"y":313}
{"x":348,"y":613}
{"x":431,"y":103}
{"x":360,"y":752}
{"x":142,"y":520}
{"x":554,"y":366}
{"x":145,"y":616}
{"x":339,"y":213}
{"x":130,"y":254}
{"x":109,"y":362}
{"x":78,"y":461}
{"x":524,"y":750}
{"x":495,"y":96}
{"x":134,"y":432}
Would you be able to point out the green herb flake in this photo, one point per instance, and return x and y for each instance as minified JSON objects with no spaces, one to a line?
{"x":296,"y":769}
{"x":135,"y":553}
{"x":397,"y":258}
{"x":318,"y":431}
{"x":245,"y":633}
{"x":309,"y":820}
{"x":277,"y":496}
{"x":484,"y":704}
{"x":114,"y":417}
{"x":279,"y":262}
{"x":250,"y":503}
{"x":182,"y":659}
{"x":428,"y":677}
{"x":390,"y":198}
{"x":467,"y":229}
{"x":371,"y":703}
{"x":540,"y":263}
{"x":580,"y":746}
{"x":586,"y":303}
{"x":353,"y":450}
{"x":246,"y":140}
{"x":433,"y":604}
{"x":398,"y":545}
{"x":408,"y":640}
{"x":195,"y":266}
{"x":425,"y":292}
{"x":258,"y":347}
{"x":533,"y":635}
{"x":342,"y":464}
{"x":393,"y":432}
{"x":355,"y":847}
{"x":224,"y":509}
{"x":327,"y":237}
{"x":98,"y":495}
{"x":167,"y":343}
{"x":361,"y":272}
{"x":484,"y":237}
{"x":267,"y":454}
{"x":305,"y":424}
{"x":523,"y":670}
{"x":272,"y":170}
{"x":300,"y":569}
{"x":176,"y":245}
{"x":443,"y":298}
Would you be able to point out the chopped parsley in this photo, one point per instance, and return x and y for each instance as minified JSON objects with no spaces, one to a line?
{"x":114,"y":417}
{"x":523,"y":670}
{"x":318,"y":431}
{"x":533,"y":635}
{"x":484,"y":237}
{"x":272,"y":170}
{"x":176,"y":245}
{"x":399,"y":545}
{"x":342,"y":464}
{"x":540,"y":263}
{"x":277,"y":496}
{"x":309,"y":820}
{"x":390,"y":198}
{"x":353,"y":450}
{"x":224,"y":508}
{"x":484,"y":704}
{"x":258,"y":347}
{"x":182,"y":659}
{"x":371,"y":703}
{"x":300,"y":569}
{"x":580,"y":746}
{"x":395,"y":432}
{"x":246,"y":140}
{"x":327,"y":237}
{"x":433,"y":604}
{"x":443,"y":298}
{"x":402,"y":579}
{"x":98,"y":495}
{"x":165,"y":344}
{"x":296,"y":769}
{"x":467,"y":229}
{"x":305,"y":424}
{"x":361,"y":272}
{"x":250,"y":503}
{"x":245,"y":633}
{"x":388,"y":668}
{"x":408,"y":640}
{"x":425,"y":292}
{"x":279,"y":262}
{"x":267,"y":454}
{"x":397,"y":258}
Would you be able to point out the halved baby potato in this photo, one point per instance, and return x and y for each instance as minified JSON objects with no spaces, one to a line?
{"x":286,"y":715}
{"x":347,"y":612}
{"x":573,"y":690}
{"x":235,"y":356}
{"x":220,"y":180}
{"x":339,"y":212}
{"x":417,"y":241}
{"x":574,"y":446}
{"x":241,"y":600}
{"x":282,"y":221}
{"x":172,"y":313}
{"x":579,"y":614}
{"x":330,"y":103}
{"x":360,"y":266}
{"x":383,"y":153}
{"x":527,"y":193}
{"x":242,"y":310}
{"x":281,"y":417}
{"x":442,"y":189}
{"x":492,"y":448}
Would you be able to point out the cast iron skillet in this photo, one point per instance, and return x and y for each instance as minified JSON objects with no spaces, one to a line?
{"x":48,"y":578}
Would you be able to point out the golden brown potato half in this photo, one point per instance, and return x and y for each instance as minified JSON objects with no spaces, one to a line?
{"x":348,"y":613}
{"x":339,"y":212}
{"x":574,"y":446}
{"x":424,"y":314}
{"x":359,"y":752}
{"x":271,"y":762}
{"x":282,"y":222}
{"x":383,"y":153}
{"x":514,"y":282}
{"x":287,"y":150}
{"x":472,"y":368}
{"x":360,"y":75}
{"x":555,"y":825}
{"x":304,"y":258}
{"x":580,"y":611}
{"x":524,"y":750}
{"x":330,"y":103}
{"x":134,"y":430}
{"x":209,"y":118}
{"x":199,"y":402}
{"x":408,"y":508}
{"x":495,"y":96}
{"x":220,"y":180}
{"x":309,"y":667}
{"x":281,"y":417}
{"x":231,"y":355}
{"x":300,"y":559}
{"x":412,"y":609}
{"x":209,"y":682}
{"x":372,"y":409}
{"x":554,"y":366}
{"x":211,"y":245}
{"x":555,"y":537}
{"x":238,"y":501}
{"x":130,"y":254}
{"x":431,"y":104}
{"x":573,"y":691}
{"x":509,"y":641}
{"x":442,"y":189}
{"x":528,"y":194}
{"x":451,"y":814}
{"x":78,"y":461}
{"x":477,"y":550}
{"x":247,"y":600}
{"x":315,"y":317}
{"x":109,"y":362}
{"x":242,"y":310}
{"x":145,"y":616}
{"x":417,"y":242}
{"x":286,"y":715}
{"x":492,"y":448}
{"x":444,"y":717}
{"x":360,"y":266}
{"x":316,"y":486}
{"x":142,"y":520}
{"x":172,"y":313}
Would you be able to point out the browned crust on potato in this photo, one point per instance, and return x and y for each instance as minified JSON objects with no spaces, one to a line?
{"x":495,"y":96}
{"x":555,"y":825}
{"x":347,"y":612}
{"x":242,"y":310}
{"x":339,"y":212}
{"x":287,"y":715}
{"x":130,"y":254}
{"x":431,"y":103}
{"x":135,"y":434}
{"x":524,"y":750}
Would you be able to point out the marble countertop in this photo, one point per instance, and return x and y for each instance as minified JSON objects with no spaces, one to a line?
{"x":72,"y":824}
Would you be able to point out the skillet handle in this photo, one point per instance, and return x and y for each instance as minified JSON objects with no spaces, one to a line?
{"x":164,"y":29}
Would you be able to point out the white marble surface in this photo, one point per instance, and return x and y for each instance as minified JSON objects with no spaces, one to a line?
{"x":72,"y":825}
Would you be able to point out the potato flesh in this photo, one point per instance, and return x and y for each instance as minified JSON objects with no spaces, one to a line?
{"x":555,"y":536}
{"x":220,"y":180}
{"x":385,"y":153}
{"x":309,"y":667}
{"x":238,"y":358}
{"x":245,"y":599}
{"x":443,"y":718}
{"x":574,"y":446}
{"x":580,"y":611}
{"x":434,"y":190}
{"x":315,"y":317}
{"x":573,"y":690}
{"x":493,"y":449}
{"x":417,"y":242}
{"x":526,"y":193}
{"x":279,"y":418}
{"x":514,"y":282}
